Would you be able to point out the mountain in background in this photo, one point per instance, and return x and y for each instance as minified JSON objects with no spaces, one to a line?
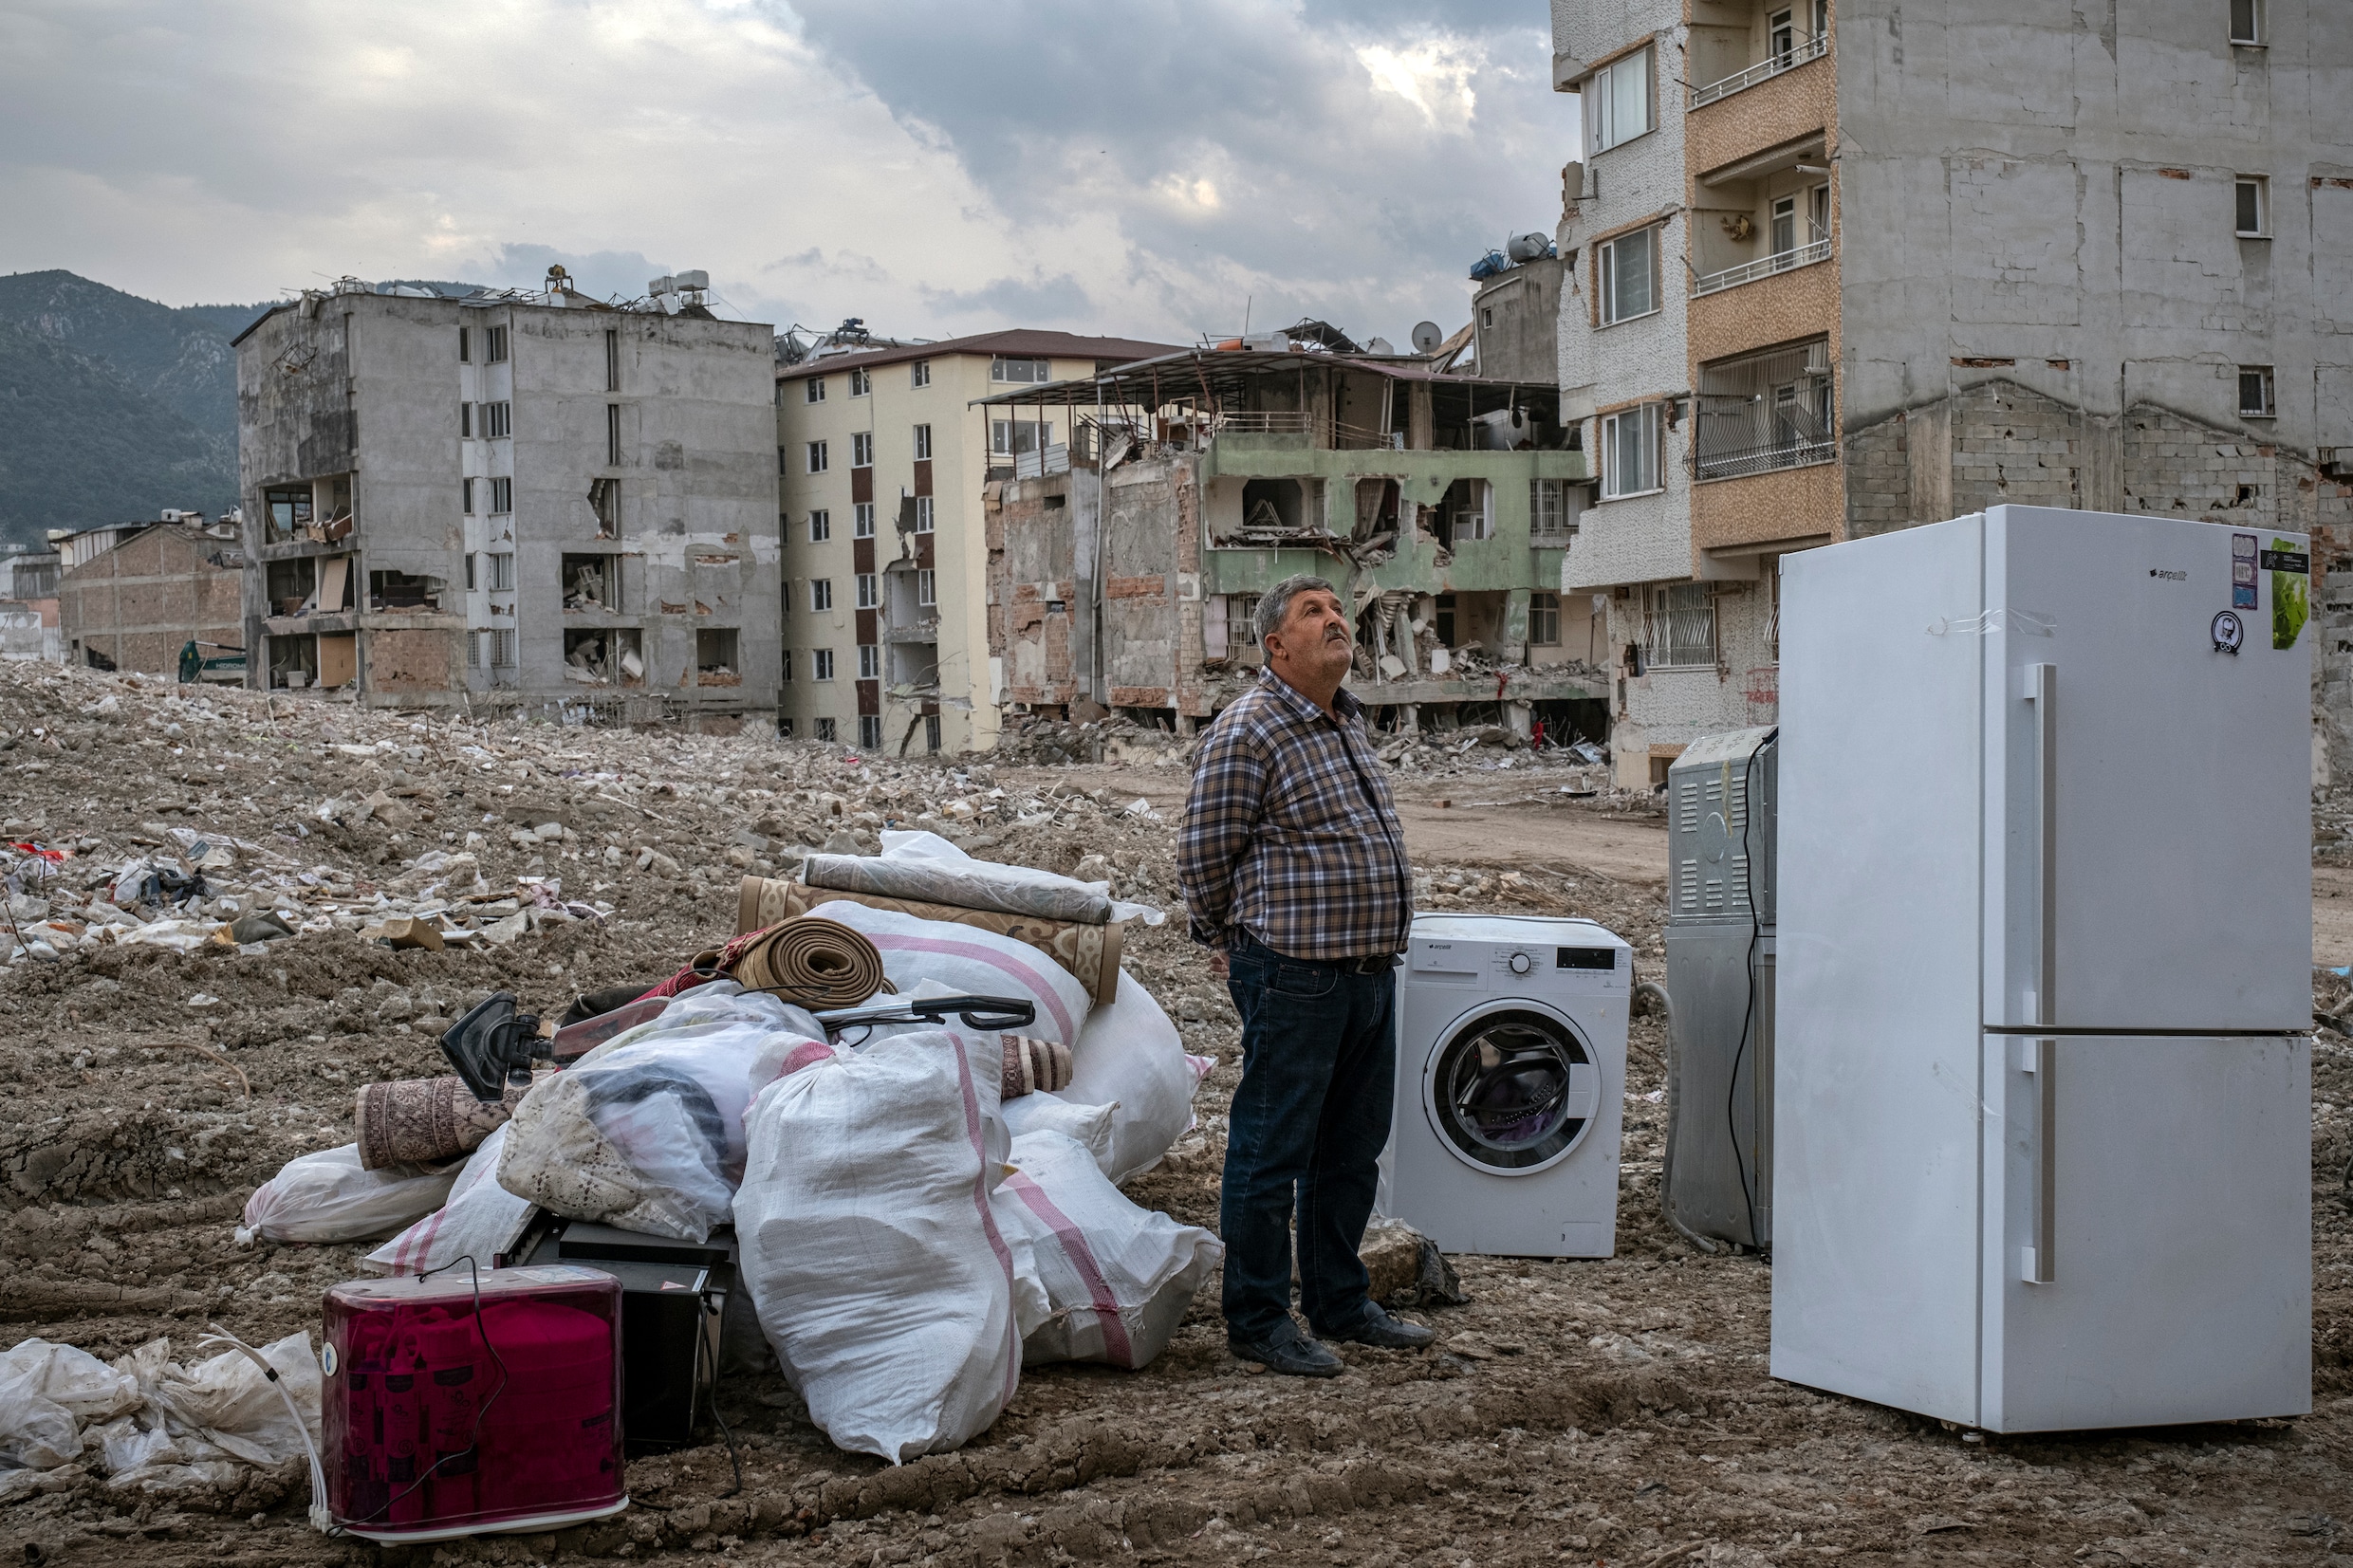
{"x":112,"y":407}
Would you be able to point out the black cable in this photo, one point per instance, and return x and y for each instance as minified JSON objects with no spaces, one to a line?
{"x":1748,"y":1011}
{"x":701,"y":1344}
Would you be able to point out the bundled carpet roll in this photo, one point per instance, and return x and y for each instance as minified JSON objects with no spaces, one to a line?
{"x":1089,"y":952}
{"x":1034,"y":1064}
{"x":967,"y":884}
{"x":813,"y":964}
{"x":425,"y":1121}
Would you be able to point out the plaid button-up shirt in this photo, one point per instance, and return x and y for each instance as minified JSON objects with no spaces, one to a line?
{"x":1290,"y":832}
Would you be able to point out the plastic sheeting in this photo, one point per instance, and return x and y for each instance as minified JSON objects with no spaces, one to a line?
{"x":330,"y":1196}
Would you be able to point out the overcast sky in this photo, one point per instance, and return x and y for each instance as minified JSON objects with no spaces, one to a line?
{"x":938,"y":168}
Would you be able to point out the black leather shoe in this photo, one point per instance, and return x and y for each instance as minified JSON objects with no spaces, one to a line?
{"x":1382,"y":1332}
{"x":1288,"y":1352}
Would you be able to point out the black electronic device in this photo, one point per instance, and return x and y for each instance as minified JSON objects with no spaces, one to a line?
{"x":673,"y":1297}
{"x":494,"y":1046}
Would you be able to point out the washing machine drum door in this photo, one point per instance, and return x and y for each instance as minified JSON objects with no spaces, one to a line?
{"x":1512,"y":1091}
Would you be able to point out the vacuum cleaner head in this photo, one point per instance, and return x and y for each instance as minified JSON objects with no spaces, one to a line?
{"x":494,"y":1046}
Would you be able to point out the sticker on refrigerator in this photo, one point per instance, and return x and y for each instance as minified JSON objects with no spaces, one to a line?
{"x":2227,"y":631}
{"x":2291,"y":590}
{"x":2242,"y":573}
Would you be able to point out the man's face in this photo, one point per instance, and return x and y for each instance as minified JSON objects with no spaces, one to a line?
{"x":1315,"y":640}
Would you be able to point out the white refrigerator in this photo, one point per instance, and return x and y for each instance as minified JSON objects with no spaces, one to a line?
{"x":2043,"y":1091}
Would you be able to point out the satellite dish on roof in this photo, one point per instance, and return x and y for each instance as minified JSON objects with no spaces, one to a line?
{"x":1427,"y":336}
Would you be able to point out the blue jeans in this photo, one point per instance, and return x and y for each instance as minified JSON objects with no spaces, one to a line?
{"x":1319,"y":1072}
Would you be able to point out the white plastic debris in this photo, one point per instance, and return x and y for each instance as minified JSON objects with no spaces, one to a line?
{"x":330,"y":1197}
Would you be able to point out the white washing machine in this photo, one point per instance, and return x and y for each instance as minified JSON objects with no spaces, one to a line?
{"x":1511,"y":1059}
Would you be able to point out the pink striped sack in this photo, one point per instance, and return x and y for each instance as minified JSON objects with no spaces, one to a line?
{"x":1096,"y":1278}
{"x":870,"y":1244}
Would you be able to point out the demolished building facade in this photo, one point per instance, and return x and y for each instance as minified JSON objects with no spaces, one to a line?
{"x":131,"y":597}
{"x":1837,"y":269}
{"x":513,"y":501}
{"x":1438,"y":503}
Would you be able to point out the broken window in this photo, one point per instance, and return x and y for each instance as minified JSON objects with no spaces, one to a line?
{"x":288,"y":586}
{"x":818,"y":457}
{"x":821,"y":664}
{"x":397,"y":590}
{"x":605,"y":500}
{"x":715,"y":657}
{"x":2254,"y":206}
{"x":2254,"y":393}
{"x":1618,"y":101}
{"x":605,"y":655}
{"x":787,"y":677}
{"x":290,"y":513}
{"x":820,"y":526}
{"x":1544,"y":620}
{"x":931,"y":731}
{"x":1679,"y":631}
{"x":1442,"y":618}
{"x":591,"y":583}
{"x":293,"y":662}
{"x":825,"y":730}
{"x":1628,"y":275}
{"x":1020,"y":370}
{"x":1762,"y":412}
{"x":502,"y":571}
{"x":1271,"y":506}
{"x":1552,"y":513}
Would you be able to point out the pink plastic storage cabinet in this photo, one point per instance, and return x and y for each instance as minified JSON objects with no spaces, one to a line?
{"x":410,"y":1375}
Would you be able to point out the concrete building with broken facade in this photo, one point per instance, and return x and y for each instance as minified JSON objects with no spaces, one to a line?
{"x":523,"y":501}
{"x":1836,"y":268}
{"x":885,"y":454}
{"x":1440,"y":504}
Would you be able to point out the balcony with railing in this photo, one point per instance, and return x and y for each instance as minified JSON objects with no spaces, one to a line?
{"x":1760,"y":413}
{"x":1781,"y":261}
{"x":1798,"y":53}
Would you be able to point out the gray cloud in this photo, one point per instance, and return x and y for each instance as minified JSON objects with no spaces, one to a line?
{"x":1061,"y":298}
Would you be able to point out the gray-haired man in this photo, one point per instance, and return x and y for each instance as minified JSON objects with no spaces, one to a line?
{"x":1293,"y":868}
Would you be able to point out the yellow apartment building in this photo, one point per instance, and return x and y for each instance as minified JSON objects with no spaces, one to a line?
{"x":884,"y":459}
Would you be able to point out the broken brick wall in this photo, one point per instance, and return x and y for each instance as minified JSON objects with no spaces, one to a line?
{"x":139,"y":603}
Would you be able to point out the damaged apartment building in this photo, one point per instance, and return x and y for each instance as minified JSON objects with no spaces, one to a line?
{"x":1126,"y":576}
{"x":884,"y":454}
{"x":1833,"y":269}
{"x":516,"y":501}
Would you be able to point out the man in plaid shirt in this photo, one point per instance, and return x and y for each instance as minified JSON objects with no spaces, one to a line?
{"x":1293,"y":869}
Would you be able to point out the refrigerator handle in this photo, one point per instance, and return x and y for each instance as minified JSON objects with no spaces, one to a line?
{"x":2041,"y":1263}
{"x":2042,"y":691}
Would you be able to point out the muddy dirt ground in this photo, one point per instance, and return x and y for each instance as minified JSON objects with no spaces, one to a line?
{"x":1615,"y":1412}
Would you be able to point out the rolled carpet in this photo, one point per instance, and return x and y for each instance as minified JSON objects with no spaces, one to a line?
{"x":426,"y":1120}
{"x":814,"y":963}
{"x":1034,"y":1064}
{"x":1089,"y":952}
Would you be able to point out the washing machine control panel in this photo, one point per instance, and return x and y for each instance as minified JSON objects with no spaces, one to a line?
{"x":1519,"y":962}
{"x":1515,"y":964}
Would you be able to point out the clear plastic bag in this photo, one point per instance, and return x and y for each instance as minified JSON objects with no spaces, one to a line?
{"x":330,"y":1197}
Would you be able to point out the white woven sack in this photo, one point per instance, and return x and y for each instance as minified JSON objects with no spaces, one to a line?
{"x":1131,"y":1056}
{"x":869,"y":1244}
{"x":1118,"y":1278}
{"x":1047,"y":1112}
{"x":972,"y":962}
{"x":481,"y":1220}
{"x":329,"y":1197}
